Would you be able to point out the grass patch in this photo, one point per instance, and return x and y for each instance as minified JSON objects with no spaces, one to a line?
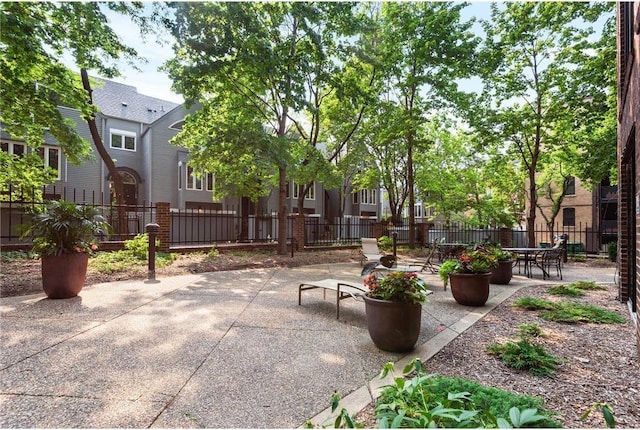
{"x":569,"y":312}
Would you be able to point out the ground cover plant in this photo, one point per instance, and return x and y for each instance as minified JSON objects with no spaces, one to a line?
{"x":135,"y":254}
{"x":569,"y":312}
{"x":575,"y":289}
{"x":421,"y":400}
{"x":525,"y":353}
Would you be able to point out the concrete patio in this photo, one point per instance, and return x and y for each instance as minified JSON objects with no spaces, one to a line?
{"x":225,"y":349}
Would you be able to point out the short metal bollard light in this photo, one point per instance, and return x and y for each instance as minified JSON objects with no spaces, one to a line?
{"x":152,"y":230}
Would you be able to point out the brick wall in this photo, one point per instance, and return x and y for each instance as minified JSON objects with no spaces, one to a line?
{"x":628,"y":150}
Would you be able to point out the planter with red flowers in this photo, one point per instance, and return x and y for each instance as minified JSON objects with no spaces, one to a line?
{"x":469,"y":275}
{"x":393,"y":306}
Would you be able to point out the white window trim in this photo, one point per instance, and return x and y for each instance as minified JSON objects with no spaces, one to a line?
{"x":368,"y":197}
{"x":47,"y":148}
{"x":123,"y":133}
{"x":10,"y":147}
{"x":311,"y":192}
{"x":195,"y":179}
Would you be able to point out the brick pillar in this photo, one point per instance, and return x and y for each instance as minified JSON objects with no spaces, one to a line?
{"x":376,"y":229}
{"x":298,"y":231}
{"x":163,"y":219}
{"x":423,"y":232}
{"x":505,"y":237}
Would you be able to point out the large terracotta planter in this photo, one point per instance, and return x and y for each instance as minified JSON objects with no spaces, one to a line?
{"x":393,"y":326}
{"x":502,"y":274}
{"x":63,"y":275}
{"x":470,"y":289}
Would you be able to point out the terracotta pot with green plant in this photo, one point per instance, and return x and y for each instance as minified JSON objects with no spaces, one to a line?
{"x":469,"y":275}
{"x":64,"y":234}
{"x":393,"y":306}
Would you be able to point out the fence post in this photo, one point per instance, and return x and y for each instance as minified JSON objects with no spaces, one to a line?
{"x":376,"y":229}
{"x":152,"y":230}
{"x":163,"y":219}
{"x":505,"y":237}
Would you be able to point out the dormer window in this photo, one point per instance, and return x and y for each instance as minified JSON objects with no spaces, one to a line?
{"x":121,"y":139}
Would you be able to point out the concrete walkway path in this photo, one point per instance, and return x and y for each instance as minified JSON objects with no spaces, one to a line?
{"x":218,"y":350}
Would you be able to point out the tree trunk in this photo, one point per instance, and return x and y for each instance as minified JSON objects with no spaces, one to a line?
{"x":123,"y":226}
{"x":282,"y":211}
{"x":412,"y":198}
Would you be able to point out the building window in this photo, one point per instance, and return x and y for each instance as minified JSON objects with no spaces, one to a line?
{"x":368,"y":197}
{"x":569,"y":217}
{"x":210,"y":182}
{"x":123,"y":140}
{"x":51,"y":157}
{"x":311,"y":191}
{"x":356,"y":198}
{"x":14,"y":148}
{"x":194,"y":179}
{"x":570,"y":189}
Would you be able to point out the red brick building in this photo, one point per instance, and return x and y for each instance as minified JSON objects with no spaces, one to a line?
{"x":628,"y":68}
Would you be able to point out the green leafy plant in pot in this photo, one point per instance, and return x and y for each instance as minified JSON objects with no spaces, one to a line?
{"x":64,"y":234}
{"x":469,"y":275}
{"x":394,"y":309}
{"x":502,"y":273}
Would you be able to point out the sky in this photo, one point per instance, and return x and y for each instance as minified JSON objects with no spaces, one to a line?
{"x":149,"y":81}
{"x":152,"y":82}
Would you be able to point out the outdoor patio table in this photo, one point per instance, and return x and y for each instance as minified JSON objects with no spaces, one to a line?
{"x":528,"y":255}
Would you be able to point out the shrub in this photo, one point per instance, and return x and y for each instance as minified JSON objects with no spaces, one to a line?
{"x":139,"y":246}
{"x":385,"y":243}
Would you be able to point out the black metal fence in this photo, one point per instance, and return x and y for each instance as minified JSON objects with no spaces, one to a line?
{"x":206,"y":227}
{"x":580,"y":238}
{"x":202,"y":227}
{"x":340,"y":231}
{"x":17,"y":205}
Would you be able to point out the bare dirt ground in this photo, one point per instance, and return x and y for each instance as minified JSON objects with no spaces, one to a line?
{"x":602,"y":360}
{"x":22,"y":277}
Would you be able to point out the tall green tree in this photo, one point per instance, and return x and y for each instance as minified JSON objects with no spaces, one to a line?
{"x":424,"y":47}
{"x":531,"y":57}
{"x":261,"y":72}
{"x":34,"y":81}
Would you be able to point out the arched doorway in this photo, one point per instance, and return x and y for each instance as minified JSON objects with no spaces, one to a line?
{"x":129,"y":187}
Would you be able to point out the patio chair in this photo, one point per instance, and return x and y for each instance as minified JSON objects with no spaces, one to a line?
{"x":370,"y":251}
{"x":343,"y":289}
{"x":427,"y":263}
{"x":547,"y":259}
